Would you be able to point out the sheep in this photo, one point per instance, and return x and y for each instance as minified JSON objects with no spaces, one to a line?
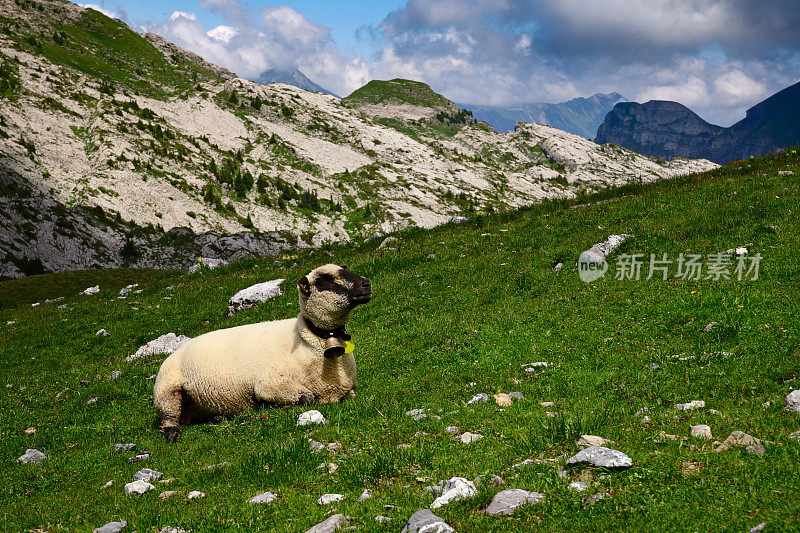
{"x":297,"y":360}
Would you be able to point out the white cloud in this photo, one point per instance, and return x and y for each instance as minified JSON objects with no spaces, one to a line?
{"x":221,"y":33}
{"x":109,"y":14}
{"x":177,"y":15}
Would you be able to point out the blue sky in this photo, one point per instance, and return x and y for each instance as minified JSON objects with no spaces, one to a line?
{"x":719,"y":57}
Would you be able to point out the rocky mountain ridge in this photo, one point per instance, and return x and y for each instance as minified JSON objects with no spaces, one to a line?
{"x":580,"y":116}
{"x":669,"y":129}
{"x":94,"y":116}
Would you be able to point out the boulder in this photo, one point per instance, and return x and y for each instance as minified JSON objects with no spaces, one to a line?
{"x":31,"y":455}
{"x":602,"y":457}
{"x":507,"y":501}
{"x":112,"y":527}
{"x":329,"y":525}
{"x":165,"y":344}
{"x":456,"y":488}
{"x":425,"y":521}
{"x":254,"y":295}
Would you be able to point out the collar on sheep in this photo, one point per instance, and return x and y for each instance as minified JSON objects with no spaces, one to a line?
{"x":333,"y":338}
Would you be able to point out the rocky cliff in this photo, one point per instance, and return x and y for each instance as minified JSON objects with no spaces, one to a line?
{"x":669,"y":129}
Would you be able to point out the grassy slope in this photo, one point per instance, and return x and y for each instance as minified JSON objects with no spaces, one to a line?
{"x":397,"y":91}
{"x":486,"y":304}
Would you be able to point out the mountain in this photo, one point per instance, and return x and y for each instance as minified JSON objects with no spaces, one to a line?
{"x":294,"y":78}
{"x":580,"y":116}
{"x":669,"y":129}
{"x":177,"y":157}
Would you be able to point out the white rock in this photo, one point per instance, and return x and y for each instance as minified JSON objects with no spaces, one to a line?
{"x":482,"y":397}
{"x":165,"y":344}
{"x":691,"y":406}
{"x":416,"y":414}
{"x":108,"y":484}
{"x":531,"y":367}
{"x":254,"y":295}
{"x":112,"y":527}
{"x":264,"y":497}
{"x":458,"y":219}
{"x":206,"y":262}
{"x":578,"y":486}
{"x":601,"y":457}
{"x":795,"y":435}
{"x":387,"y":241}
{"x":102,"y":333}
{"x":195,"y":494}
{"x":127,"y":289}
{"x":424,"y":521}
{"x":31,"y":455}
{"x":507,"y":501}
{"x":792,"y":401}
{"x":452,"y":430}
{"x":468,"y":437}
{"x":329,"y":525}
{"x":115,"y":374}
{"x":145,"y":474}
{"x":137,"y":488}
{"x":327,"y":499}
{"x":310,"y":417}
{"x":366,"y":495}
{"x":456,"y":488}
{"x":701,"y":431}
{"x":124,"y":447}
{"x":591,"y":440}
{"x":91,"y":290}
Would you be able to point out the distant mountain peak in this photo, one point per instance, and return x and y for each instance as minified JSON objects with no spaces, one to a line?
{"x":290,"y":77}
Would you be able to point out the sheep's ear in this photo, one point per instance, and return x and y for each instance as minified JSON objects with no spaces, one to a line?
{"x":345,"y":267}
{"x":304,"y":286}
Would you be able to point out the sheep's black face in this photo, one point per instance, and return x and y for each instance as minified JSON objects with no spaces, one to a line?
{"x":330,"y":292}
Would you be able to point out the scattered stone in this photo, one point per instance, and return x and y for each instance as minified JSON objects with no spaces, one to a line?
{"x":112,"y":527}
{"x":386,"y":242}
{"x":218,"y":466}
{"x":145,"y":474}
{"x":264,"y":497}
{"x":708,"y":327}
{"x":453,"y":430}
{"x":741,"y":250}
{"x":591,"y":440}
{"x":780,"y":173}
{"x":424,"y":521}
{"x":366,"y":495}
{"x":547,"y":404}
{"x":310,"y":417}
{"x":206,"y":262}
{"x":382,"y":518}
{"x":124,"y":447}
{"x":167,"y":494}
{"x":768,"y":403}
{"x":578,"y":486}
{"x":30,"y":431}
{"x":507,"y":501}
{"x":531,"y":367}
{"x":31,"y":455}
{"x":123,"y":293}
{"x":792,"y":401}
{"x":755,"y":449}
{"x":468,"y":437}
{"x":172,"y":529}
{"x":137,"y":488}
{"x":108,"y":484}
{"x":563,"y":474}
{"x":165,"y":344}
{"x":600,"y":456}
{"x":795,"y":435}
{"x":195,"y":494}
{"x":102,"y":333}
{"x":516,"y":395}
{"x":329,"y":525}
{"x":254,"y":295}
{"x":115,"y":375}
{"x":316,"y":447}
{"x":420,"y":434}
{"x":701,"y":431}
{"x":166,"y":481}
{"x":502,"y":399}
{"x":594,"y":498}
{"x":327,"y":499}
{"x":91,"y":400}
{"x":144,"y":454}
{"x":526,"y":462}
{"x":91,"y":290}
{"x":737,"y":438}
{"x":482,"y":397}
{"x":459,"y":219}
{"x":456,"y":488}
{"x":691,"y":406}
{"x":416,"y":414}
{"x":328,"y":468}
{"x":430,"y":256}
{"x":558,"y":266}
{"x":759,"y":528}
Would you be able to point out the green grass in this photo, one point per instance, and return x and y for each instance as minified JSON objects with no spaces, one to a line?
{"x":397,"y":91}
{"x":437,"y":332}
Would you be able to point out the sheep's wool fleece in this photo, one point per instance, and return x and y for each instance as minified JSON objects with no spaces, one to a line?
{"x":227,"y":371}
